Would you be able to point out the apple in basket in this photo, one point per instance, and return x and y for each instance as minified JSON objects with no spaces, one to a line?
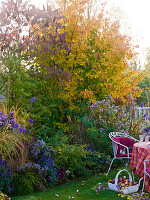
{"x":123,"y":183}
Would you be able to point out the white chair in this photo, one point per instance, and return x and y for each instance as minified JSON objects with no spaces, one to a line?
{"x":122,"y":146}
{"x":146,"y":172}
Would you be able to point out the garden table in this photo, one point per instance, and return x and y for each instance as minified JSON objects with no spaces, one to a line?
{"x":140,"y":152}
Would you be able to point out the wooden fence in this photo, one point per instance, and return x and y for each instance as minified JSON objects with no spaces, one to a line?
{"x":139,"y":112}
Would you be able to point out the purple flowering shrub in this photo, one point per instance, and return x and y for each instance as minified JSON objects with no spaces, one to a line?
{"x":39,"y":173}
{"x":110,"y":116}
{"x":14,"y":128}
{"x":7,"y":121}
{"x":95,"y":161}
{"x":106,"y":117}
{"x":41,"y":154}
{"x":5,"y":177}
{"x":145,"y":122}
{"x":12,"y":139}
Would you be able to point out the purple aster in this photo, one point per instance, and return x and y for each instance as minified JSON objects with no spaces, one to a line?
{"x":20,"y":129}
{"x":144,"y":115}
{"x":9,"y":172}
{"x":5,"y":163}
{"x":5,"y":116}
{"x":147,"y":129}
{"x":1,"y":161}
{"x":9,"y":125}
{"x":31,"y":121}
{"x":140,"y":192}
{"x":98,"y":191}
{"x":24,"y":130}
{"x":33,"y":99}
{"x":142,"y":105}
{"x":16,"y":125}
{"x":146,"y":123}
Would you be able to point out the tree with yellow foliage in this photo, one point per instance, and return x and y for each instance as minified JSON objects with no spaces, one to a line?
{"x":88,"y":55}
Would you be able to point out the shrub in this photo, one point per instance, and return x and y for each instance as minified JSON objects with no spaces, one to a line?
{"x":80,"y":160}
{"x":71,"y":157}
{"x":145,"y":122}
{"x":27,"y":179}
{"x":5,"y":177}
{"x":95,"y":161}
{"x":107,"y":117}
{"x":12,"y":139}
{"x":41,"y":154}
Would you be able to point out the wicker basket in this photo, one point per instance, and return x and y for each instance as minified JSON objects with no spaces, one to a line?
{"x":129,"y":189}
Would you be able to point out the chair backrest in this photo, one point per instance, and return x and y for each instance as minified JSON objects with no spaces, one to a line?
{"x":119,"y":134}
{"x":120,"y":138}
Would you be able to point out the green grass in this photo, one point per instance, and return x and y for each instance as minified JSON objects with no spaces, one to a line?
{"x":85,"y":187}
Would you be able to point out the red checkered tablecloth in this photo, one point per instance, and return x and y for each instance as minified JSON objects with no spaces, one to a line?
{"x":140,"y":153}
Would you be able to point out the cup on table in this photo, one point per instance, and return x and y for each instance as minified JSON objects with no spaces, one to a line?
{"x":141,"y":138}
{"x":147,"y":138}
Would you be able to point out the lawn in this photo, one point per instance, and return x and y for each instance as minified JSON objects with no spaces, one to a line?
{"x":81,"y":189}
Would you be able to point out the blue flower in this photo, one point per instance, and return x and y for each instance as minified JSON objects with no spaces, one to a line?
{"x":20,"y":129}
{"x":16,"y":125}
{"x":31,"y":121}
{"x":44,"y":157}
{"x":5,"y":163}
{"x":146,"y":123}
{"x":24,"y":130}
{"x":142,"y":105}
{"x":1,"y":161}
{"x":147,"y":129}
{"x":9,"y":173}
{"x":144,"y":115}
{"x":33,"y":99}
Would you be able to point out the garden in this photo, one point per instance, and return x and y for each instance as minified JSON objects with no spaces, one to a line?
{"x":68,"y":78}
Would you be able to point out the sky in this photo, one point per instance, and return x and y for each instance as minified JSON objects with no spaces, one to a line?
{"x":136,"y":14}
